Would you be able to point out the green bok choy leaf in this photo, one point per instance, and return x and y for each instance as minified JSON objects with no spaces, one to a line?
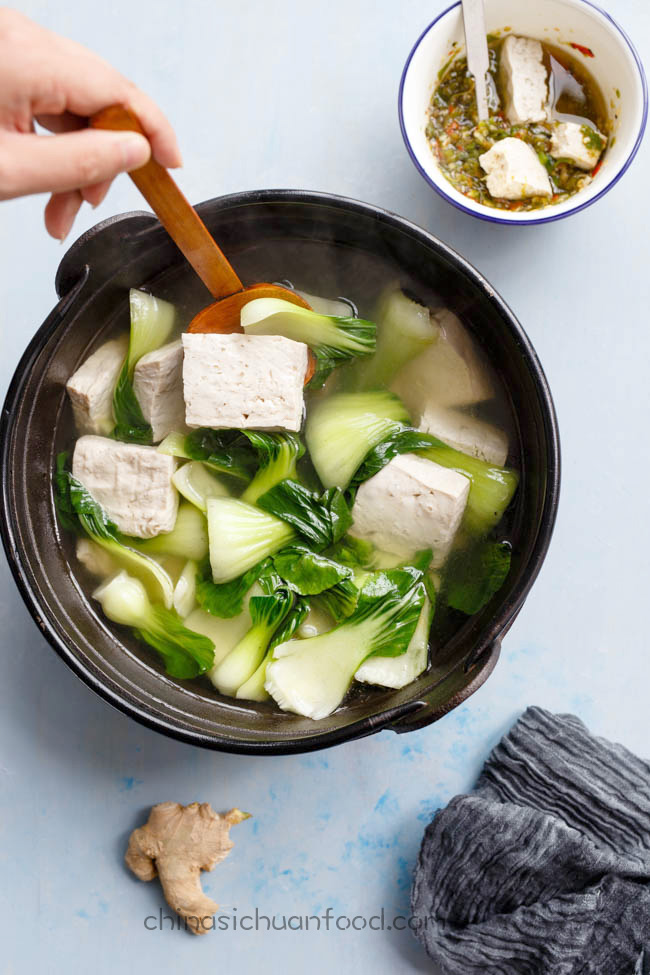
{"x":267,"y":613}
{"x":311,"y":676}
{"x":322,"y":520}
{"x":186,"y":653}
{"x":152,"y":322}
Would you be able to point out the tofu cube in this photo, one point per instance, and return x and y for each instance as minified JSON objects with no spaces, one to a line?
{"x":158,"y":386}
{"x":580,"y":144}
{"x":243,"y":381}
{"x":481,"y":380}
{"x":464,"y":432}
{"x":95,"y":559}
{"x":91,"y":387}
{"x":133,"y":484}
{"x":514,"y":171}
{"x":450,"y":370}
{"x":523,"y":77}
{"x":411,"y":504}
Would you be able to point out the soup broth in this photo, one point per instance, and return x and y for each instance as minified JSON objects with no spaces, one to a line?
{"x":424,"y":377}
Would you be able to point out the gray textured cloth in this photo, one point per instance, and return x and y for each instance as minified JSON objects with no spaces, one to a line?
{"x":545,"y":868}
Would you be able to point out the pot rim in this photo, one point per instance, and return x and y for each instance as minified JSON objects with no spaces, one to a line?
{"x":483,"y":663}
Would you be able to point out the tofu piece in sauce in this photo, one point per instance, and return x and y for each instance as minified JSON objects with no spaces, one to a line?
{"x":132,"y":483}
{"x":514,"y":172}
{"x":464,"y":432}
{"x":523,"y":79}
{"x":243,"y":381}
{"x":411,"y":504}
{"x":158,"y":386}
{"x":91,"y":387}
{"x":580,"y":144}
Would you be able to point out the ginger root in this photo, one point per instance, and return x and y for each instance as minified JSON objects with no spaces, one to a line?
{"x":177,"y":843}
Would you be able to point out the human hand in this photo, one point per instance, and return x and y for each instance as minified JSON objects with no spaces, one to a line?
{"x":57,"y":83}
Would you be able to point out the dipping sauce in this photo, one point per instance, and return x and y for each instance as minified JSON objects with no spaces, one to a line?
{"x":568,"y":140}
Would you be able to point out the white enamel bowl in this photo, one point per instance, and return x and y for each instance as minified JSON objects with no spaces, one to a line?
{"x":615,"y":65}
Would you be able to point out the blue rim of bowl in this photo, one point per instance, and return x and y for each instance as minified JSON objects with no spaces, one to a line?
{"x":551,"y":217}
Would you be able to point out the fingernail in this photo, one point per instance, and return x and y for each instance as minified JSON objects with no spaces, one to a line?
{"x":135,"y":151}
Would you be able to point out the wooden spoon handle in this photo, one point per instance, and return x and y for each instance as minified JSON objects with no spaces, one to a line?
{"x":175,"y":212}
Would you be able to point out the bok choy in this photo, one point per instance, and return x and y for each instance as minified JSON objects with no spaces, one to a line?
{"x":278,"y":454}
{"x":188,"y":539}
{"x":225,"y":634}
{"x":307,"y":572}
{"x":476,"y":575}
{"x":322,"y":520}
{"x":311,"y":677}
{"x":152,"y":322}
{"x":404,"y":329}
{"x":332,"y":339}
{"x":398,"y":671}
{"x":267,"y":612}
{"x":241,"y":536}
{"x":312,"y":574}
{"x":195,"y":482}
{"x":224,"y":451}
{"x":186,"y":653}
{"x":253,"y":689}
{"x":343,"y":428}
{"x":226,"y":599}
{"x":491,"y":489}
{"x":185,"y":589}
{"x":265,"y":457}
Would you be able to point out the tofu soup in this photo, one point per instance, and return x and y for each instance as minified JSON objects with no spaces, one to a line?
{"x":315,"y":502}
{"x":545,"y":135}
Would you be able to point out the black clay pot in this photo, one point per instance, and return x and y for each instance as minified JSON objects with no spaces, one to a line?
{"x":269,"y":236}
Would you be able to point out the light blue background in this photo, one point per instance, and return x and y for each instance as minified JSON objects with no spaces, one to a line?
{"x":289,"y":94}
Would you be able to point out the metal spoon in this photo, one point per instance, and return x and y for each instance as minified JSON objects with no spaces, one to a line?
{"x":478,"y":60}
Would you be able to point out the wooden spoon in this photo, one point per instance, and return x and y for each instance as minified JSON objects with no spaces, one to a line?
{"x":192,"y":237}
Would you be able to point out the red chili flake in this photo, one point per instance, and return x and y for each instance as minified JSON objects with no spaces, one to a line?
{"x":451,"y":128}
{"x":596,"y":167}
{"x":588,"y":53}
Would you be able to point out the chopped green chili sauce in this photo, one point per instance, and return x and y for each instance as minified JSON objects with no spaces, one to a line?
{"x":591,"y":138}
{"x":457,"y":138}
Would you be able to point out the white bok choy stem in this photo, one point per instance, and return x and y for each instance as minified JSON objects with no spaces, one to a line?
{"x":399,"y":671}
{"x":195,"y":482}
{"x":241,"y":535}
{"x":312,"y":676}
{"x":344,"y":427}
{"x":267,"y":612}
